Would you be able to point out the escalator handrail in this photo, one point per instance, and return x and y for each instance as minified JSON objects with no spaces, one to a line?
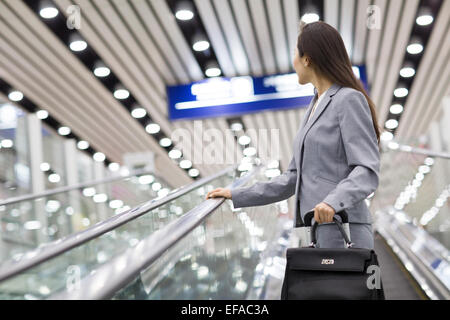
{"x":422,"y":151}
{"x":393,"y":230}
{"x":44,"y":253}
{"x":77,"y":186}
{"x":121,"y":270}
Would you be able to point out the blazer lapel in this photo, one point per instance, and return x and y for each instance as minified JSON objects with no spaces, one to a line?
{"x":306,"y":125}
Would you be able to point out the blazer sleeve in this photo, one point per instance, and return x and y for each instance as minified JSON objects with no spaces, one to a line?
{"x":361,"y":150}
{"x":262,"y":193}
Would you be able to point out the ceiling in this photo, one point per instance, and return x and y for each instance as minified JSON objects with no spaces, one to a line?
{"x":144,"y":46}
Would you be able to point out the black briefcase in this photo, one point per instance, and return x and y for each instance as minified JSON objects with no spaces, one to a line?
{"x":331,"y":273}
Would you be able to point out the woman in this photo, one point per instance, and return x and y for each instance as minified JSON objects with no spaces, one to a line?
{"x":335,"y":162}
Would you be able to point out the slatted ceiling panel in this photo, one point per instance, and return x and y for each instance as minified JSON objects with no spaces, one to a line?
{"x":60,"y":84}
{"x":331,"y":12}
{"x":115,"y":132}
{"x":32,"y":88}
{"x":36,"y":92}
{"x":123,"y":63}
{"x":196,"y":145}
{"x":374,"y":41}
{"x":432,"y":92}
{"x":150,"y":77}
{"x":169,"y":23}
{"x":384,"y":60}
{"x":262,"y":31}
{"x":157,"y":33}
{"x":222,"y":125}
{"x":212,"y":26}
{"x":444,"y":103}
{"x":249,"y":121}
{"x":142,"y":39}
{"x":143,"y":44}
{"x":391,"y":77}
{"x":243,"y":21}
{"x":185,"y":52}
{"x":292,"y":18}
{"x":278,"y":32}
{"x":231,"y":31}
{"x":291,"y":116}
{"x":425,"y":79}
{"x":346,"y":24}
{"x":435,"y":102}
{"x":360,"y":31}
{"x":285,"y":135}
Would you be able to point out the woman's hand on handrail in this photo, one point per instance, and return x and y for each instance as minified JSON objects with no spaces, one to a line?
{"x":219,"y":192}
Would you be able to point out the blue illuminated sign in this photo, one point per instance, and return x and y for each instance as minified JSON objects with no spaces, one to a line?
{"x":215,"y":97}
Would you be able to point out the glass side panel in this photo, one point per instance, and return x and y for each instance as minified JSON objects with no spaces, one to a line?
{"x":419,"y":186}
{"x":233,"y":254}
{"x":56,"y":274}
{"x":27,"y":224}
{"x":14,"y":158}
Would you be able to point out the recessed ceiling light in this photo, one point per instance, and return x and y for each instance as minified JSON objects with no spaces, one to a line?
{"x":424,"y":17}
{"x":6,"y":143}
{"x":185,"y":164}
{"x":42,"y":114}
{"x":100,"y":70}
{"x":424,"y":20}
{"x":212,"y":69}
{"x":54,"y":178}
{"x":64,"y":131}
{"x":114,"y":166}
{"x":249,"y":152}
{"x":114,"y":204}
{"x":99,"y":157}
{"x":152,"y":128}
{"x":146,"y":179}
{"x":310,"y":17}
{"x":156,"y":186}
{"x":237,"y":126}
{"x":15,"y":96}
{"x":45,"y":166}
{"x":175,"y":154}
{"x":77,"y":44}
{"x":99,"y":198}
{"x":213,"y":72}
{"x":401,"y":92}
{"x":396,"y":109}
{"x":184,"y":15}
{"x":407,"y":72}
{"x":165,"y":142}
{"x":138,"y":113}
{"x":200,"y":45}
{"x":386,"y":136}
{"x":193,"y":172}
{"x":121,"y":93}
{"x":244,"y":140}
{"x":48,"y":12}
{"x":83,"y":145}
{"x":89,"y":192}
{"x":415,"y":47}
{"x":391,"y":124}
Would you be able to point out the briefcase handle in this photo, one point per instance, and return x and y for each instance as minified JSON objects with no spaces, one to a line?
{"x":343,"y":227}
{"x":310,"y":215}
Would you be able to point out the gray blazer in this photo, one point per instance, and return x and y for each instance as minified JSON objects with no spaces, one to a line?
{"x":339,"y":164}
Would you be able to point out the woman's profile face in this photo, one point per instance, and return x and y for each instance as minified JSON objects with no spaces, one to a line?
{"x":303,"y":72}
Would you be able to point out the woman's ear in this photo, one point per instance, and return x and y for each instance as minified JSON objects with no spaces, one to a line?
{"x":306,"y":61}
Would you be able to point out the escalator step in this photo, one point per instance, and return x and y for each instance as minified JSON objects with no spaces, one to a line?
{"x":397,"y":282}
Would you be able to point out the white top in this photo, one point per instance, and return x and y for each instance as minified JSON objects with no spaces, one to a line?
{"x":316,"y":104}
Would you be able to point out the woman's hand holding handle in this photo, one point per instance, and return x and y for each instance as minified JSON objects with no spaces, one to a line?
{"x":219,"y":192}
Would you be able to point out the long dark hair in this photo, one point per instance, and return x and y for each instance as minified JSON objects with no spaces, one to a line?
{"x":324,"y":46}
